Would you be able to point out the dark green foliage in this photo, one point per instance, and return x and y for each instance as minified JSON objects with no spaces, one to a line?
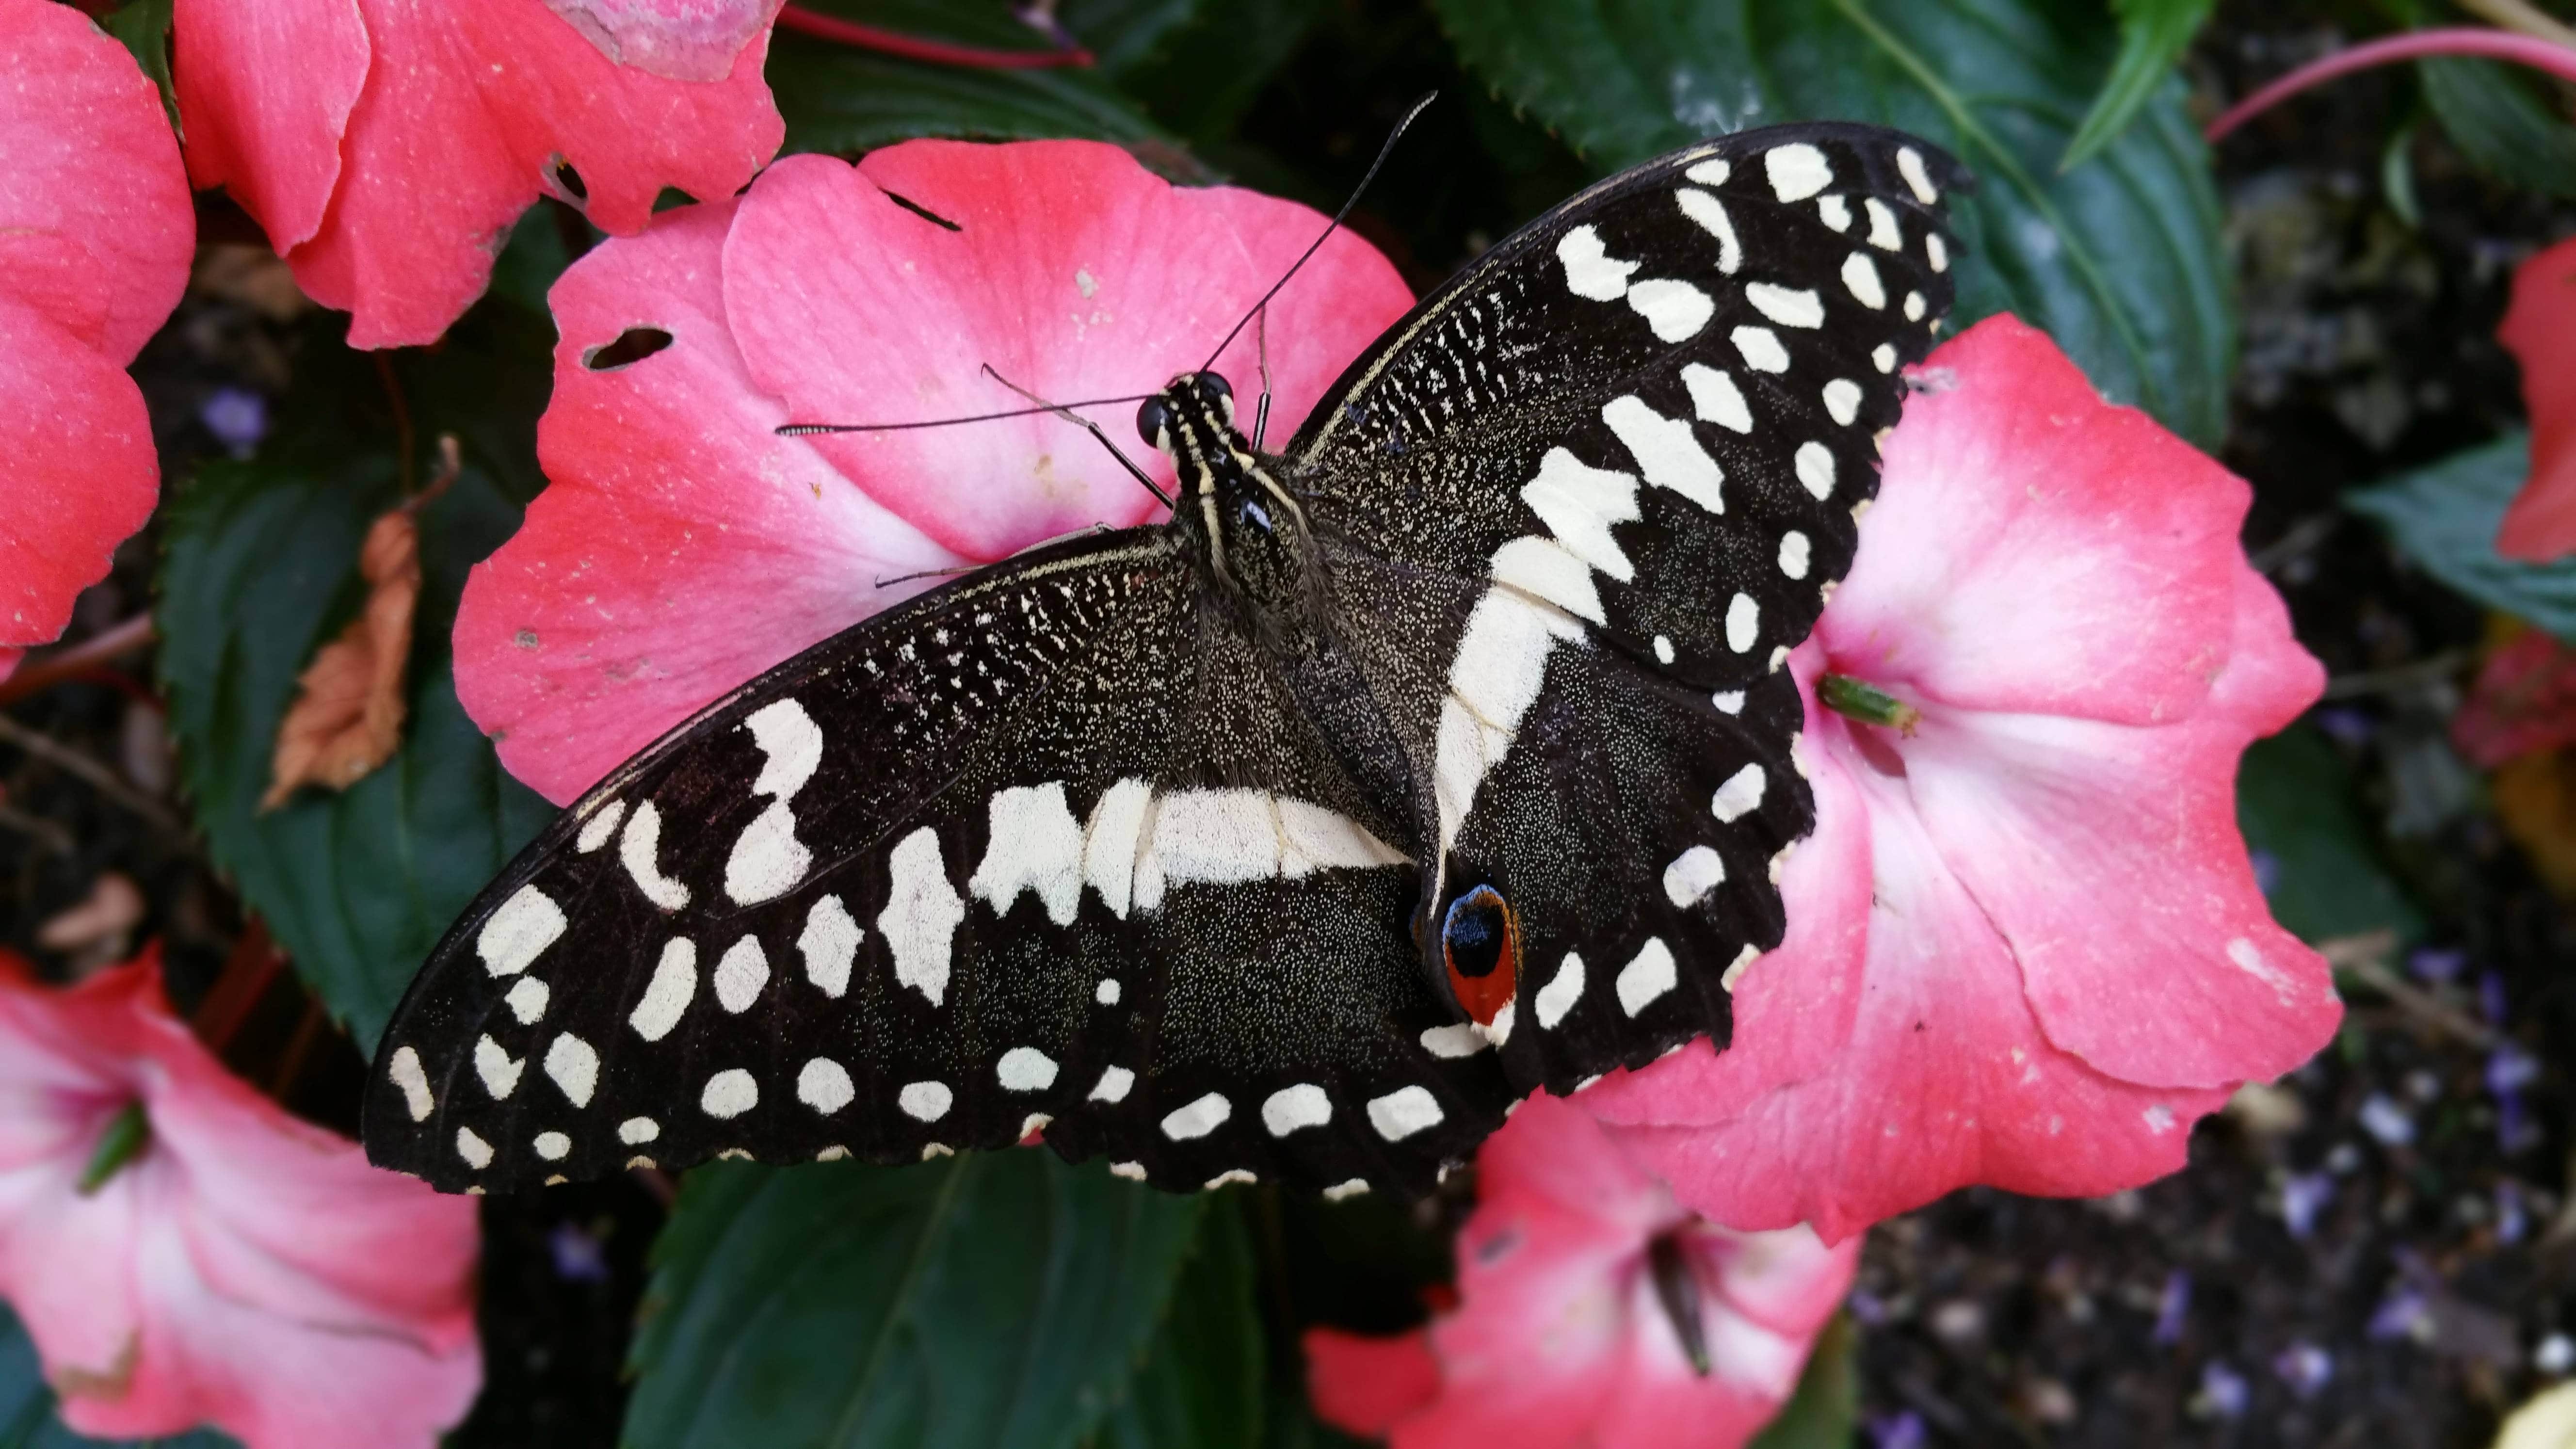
{"x":2443,"y":518}
{"x":27,"y":1417}
{"x":993,"y":1301}
{"x":2294,"y":800}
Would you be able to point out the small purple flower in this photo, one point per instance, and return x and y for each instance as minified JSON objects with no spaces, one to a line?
{"x":2303,"y":1196}
{"x":2404,"y":1313}
{"x":1866,"y":1306}
{"x":1898,"y":1431}
{"x":2491,"y":997}
{"x":2513,"y":1222}
{"x":2515,"y":1131}
{"x":2267,"y":870}
{"x":2347,"y":725}
{"x":2224,"y":1390}
{"x":2510,"y":1069}
{"x":237,"y":417}
{"x":2305,"y":1367}
{"x":2434,"y":966}
{"x":2173,"y":1307}
{"x":579,"y":1257}
{"x":2382,"y":1118}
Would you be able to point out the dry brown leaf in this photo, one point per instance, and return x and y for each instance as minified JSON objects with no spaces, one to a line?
{"x":348,"y":712}
{"x":111,"y":910}
{"x":2535,"y":797}
{"x":251,"y":275}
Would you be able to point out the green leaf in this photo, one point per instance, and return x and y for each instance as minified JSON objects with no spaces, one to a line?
{"x":2120,"y":259}
{"x":1825,"y":1411}
{"x":2153,"y":35}
{"x":1196,"y":66}
{"x":2496,"y":115}
{"x":143,"y":27}
{"x":996,"y":1300}
{"x":1203,"y":1378}
{"x":2444,"y":517}
{"x":2324,"y":879}
{"x":845,"y":100}
{"x":260,"y":568}
{"x":27,"y":1417}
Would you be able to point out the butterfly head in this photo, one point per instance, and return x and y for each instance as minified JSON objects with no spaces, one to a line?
{"x":1194,"y":413}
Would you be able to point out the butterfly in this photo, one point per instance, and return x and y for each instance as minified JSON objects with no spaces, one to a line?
{"x":1442,"y":756}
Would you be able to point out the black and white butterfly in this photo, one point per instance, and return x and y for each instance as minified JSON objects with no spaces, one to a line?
{"x":1443,"y":756}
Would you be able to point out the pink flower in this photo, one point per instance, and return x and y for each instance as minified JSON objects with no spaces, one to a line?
{"x":2026,"y":947}
{"x":239,"y":1267}
{"x":1585,"y":1295}
{"x":387,"y":145}
{"x":2540,"y":329}
{"x":96,"y":229}
{"x":683,"y":547}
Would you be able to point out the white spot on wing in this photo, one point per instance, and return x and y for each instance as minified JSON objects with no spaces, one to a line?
{"x":1797,"y":171}
{"x":1710,"y":213}
{"x":825,"y":1086}
{"x":1692,"y":875}
{"x":1025,"y":1069}
{"x":476,"y":1152}
{"x":1743,"y":622}
{"x":1591,"y":271}
{"x":1716,"y":398}
{"x":729,"y":1094}
{"x":1674,"y":311}
{"x":767,"y":859}
{"x":1794,"y":550}
{"x":1860,"y":274}
{"x":830,"y":943}
{"x":1113,"y":1086}
{"x":574,"y":1068}
{"x":1579,"y":503}
{"x":1401,"y":1113}
{"x":1842,"y":400}
{"x":1815,"y":464}
{"x":1909,"y":164}
{"x":602,"y":823}
{"x":1735,"y":969}
{"x":740,"y":974}
{"x":498,"y":1069}
{"x":925,"y":1101}
{"x":1197,"y":1119}
{"x":1740,"y":796}
{"x":1663,"y":650}
{"x":1290,"y":1108}
{"x":1666,"y":453}
{"x":1914,"y":306}
{"x":640,"y":849}
{"x":406,"y":1073}
{"x":1542,"y":569}
{"x":636,"y":1131}
{"x":1883,"y":232}
{"x":1558,"y":996}
{"x":1835,"y":211}
{"x":1110,"y":840}
{"x":1883,"y":357}
{"x":1728,"y":702}
{"x":1106,"y":993}
{"x":1761,"y":349}
{"x":1936,"y":251}
{"x":524,"y":926}
{"x":527,"y":999}
{"x":1036,"y":845}
{"x":1711,"y":172}
{"x":1790,"y":307}
{"x":1459,"y":1040}
{"x":1650,"y":975}
{"x":667,"y":995}
{"x":922,"y":910}
{"x":552,"y":1146}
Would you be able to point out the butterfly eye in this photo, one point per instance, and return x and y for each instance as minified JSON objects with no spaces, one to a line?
{"x":1480,"y":942}
{"x":1214,"y":388}
{"x":1151,"y":419}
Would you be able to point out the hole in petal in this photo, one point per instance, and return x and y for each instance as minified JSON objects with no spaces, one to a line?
{"x":925,"y":213}
{"x":566,"y":180}
{"x":632,"y":346}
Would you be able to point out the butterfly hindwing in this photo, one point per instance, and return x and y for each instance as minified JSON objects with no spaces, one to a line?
{"x":1030,"y":853}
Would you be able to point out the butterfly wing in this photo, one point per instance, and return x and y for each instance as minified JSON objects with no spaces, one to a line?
{"x":1044,"y":850}
{"x":1618,"y":462}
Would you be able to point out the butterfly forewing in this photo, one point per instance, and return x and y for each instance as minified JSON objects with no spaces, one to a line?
{"x":1637,"y":434}
{"x":1031,"y":854}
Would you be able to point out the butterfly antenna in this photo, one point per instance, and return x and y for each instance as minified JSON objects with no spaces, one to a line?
{"x":798,"y":430}
{"x":1330,"y":227}
{"x":1065,"y":411}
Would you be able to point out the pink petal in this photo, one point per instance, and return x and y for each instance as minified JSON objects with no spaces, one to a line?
{"x":1794,"y":1006}
{"x":96,"y":227}
{"x":2109,"y":858}
{"x":687,"y":40}
{"x":1363,"y":1385}
{"x":1075,"y":274}
{"x":467,"y":109}
{"x":265,"y":91}
{"x":246,"y":1269}
{"x":1947,"y":1079}
{"x":79,"y":473}
{"x":2085,"y":558}
{"x":2540,"y":330}
{"x":1788,"y":1281}
{"x":682,"y":546}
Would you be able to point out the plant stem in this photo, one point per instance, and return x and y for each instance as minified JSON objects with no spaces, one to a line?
{"x":2542,"y":55}
{"x":913,"y":47}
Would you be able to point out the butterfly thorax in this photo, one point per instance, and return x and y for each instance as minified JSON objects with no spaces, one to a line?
{"x":1235,"y":512}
